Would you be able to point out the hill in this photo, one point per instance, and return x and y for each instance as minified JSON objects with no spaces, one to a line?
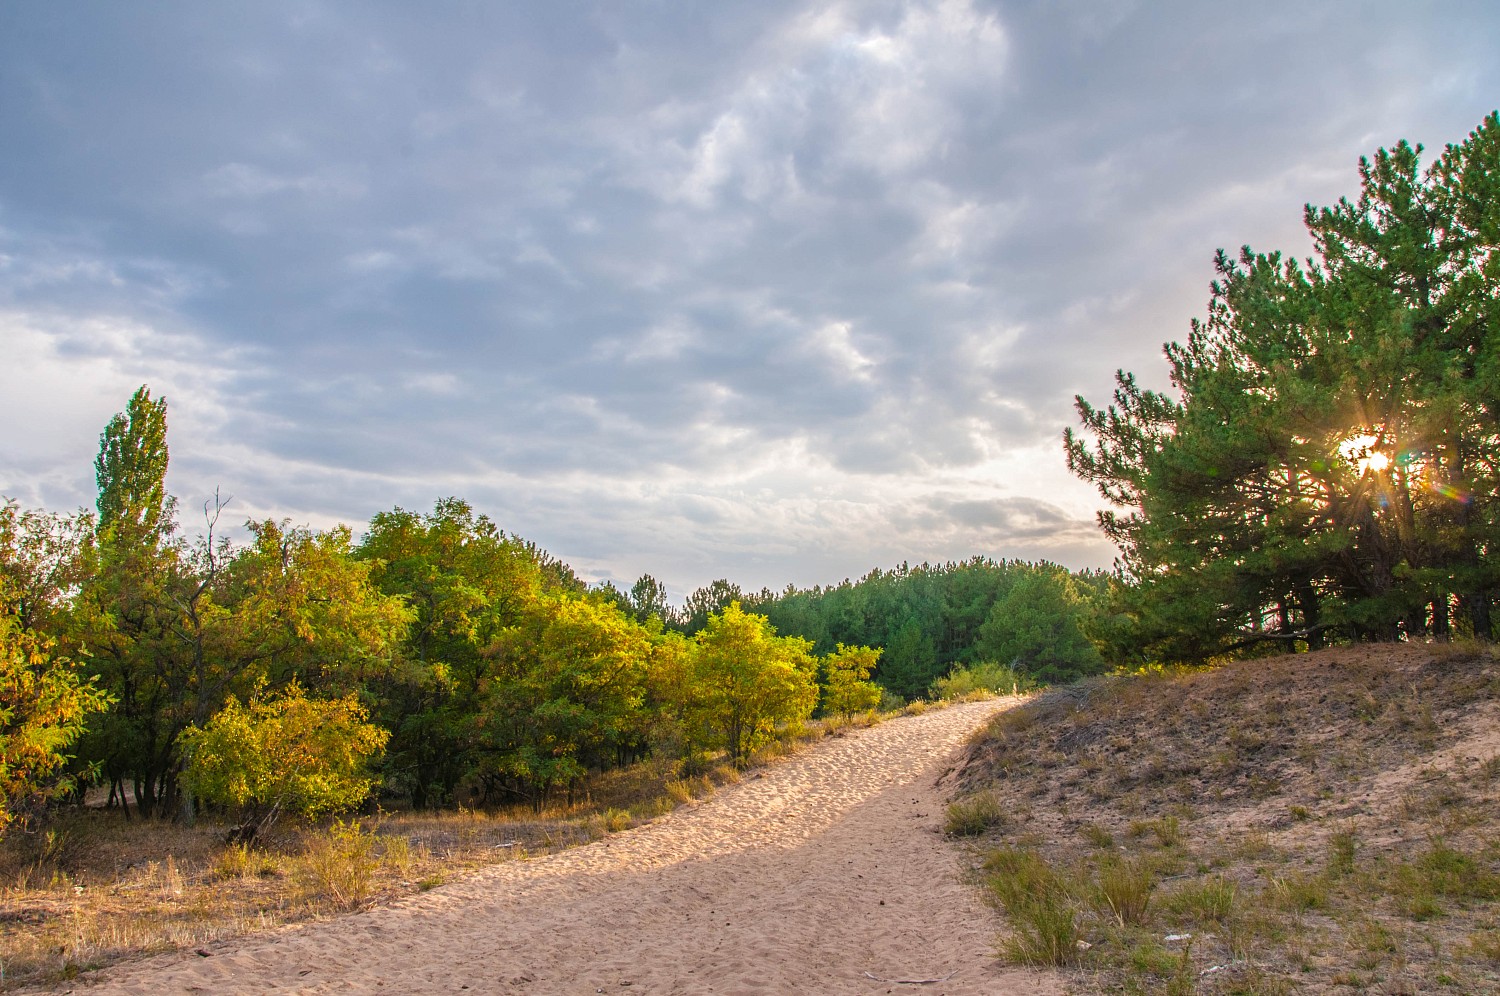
{"x":1321,"y":822}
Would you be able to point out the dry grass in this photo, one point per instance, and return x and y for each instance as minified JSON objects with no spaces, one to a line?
{"x":1316,"y":823}
{"x":94,"y":888}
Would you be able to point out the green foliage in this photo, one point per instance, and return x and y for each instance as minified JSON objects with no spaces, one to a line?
{"x":564,"y":692}
{"x":44,"y":704}
{"x":1328,"y":462}
{"x":283,"y":754}
{"x":911,"y":660}
{"x":708,"y":601}
{"x":1037,"y":629}
{"x":499,"y":675}
{"x":847,"y":688}
{"x":44,"y":558}
{"x":131,"y":469}
{"x":985,"y":677}
{"x":472,"y":590}
{"x":648,"y":600}
{"x":927,"y":619}
{"x":744,"y":681}
{"x":181,"y":629}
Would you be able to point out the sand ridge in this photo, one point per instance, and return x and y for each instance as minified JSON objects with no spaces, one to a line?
{"x":824,"y":873}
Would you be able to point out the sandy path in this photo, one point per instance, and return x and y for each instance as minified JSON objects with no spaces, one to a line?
{"x":799,"y":879}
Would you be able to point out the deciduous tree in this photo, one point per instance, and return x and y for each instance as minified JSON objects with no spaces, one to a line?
{"x":746,"y":681}
{"x":45,"y":702}
{"x":847,"y":688}
{"x":283,"y":753}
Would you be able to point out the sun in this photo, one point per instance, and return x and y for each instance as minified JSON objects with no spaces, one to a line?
{"x":1361,"y":451}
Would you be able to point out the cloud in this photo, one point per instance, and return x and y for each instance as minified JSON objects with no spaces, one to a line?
{"x":777,"y":292}
{"x":245,"y":181}
{"x":67,"y":375}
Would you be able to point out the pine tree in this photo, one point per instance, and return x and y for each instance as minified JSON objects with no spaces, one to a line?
{"x":1330,"y":462}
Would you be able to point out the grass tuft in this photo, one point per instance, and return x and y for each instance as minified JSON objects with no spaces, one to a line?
{"x":1210,"y":899}
{"x":974,"y":815}
{"x":1041,"y":902}
{"x":338,"y":865}
{"x":1125,"y":886}
{"x":1097,"y":835}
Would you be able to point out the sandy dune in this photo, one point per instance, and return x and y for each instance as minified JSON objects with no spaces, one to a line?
{"x":808,"y":877}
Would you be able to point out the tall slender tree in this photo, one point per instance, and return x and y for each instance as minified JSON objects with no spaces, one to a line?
{"x":131,"y":469}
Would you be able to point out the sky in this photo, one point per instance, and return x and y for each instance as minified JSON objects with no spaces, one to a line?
{"x":777,"y":292}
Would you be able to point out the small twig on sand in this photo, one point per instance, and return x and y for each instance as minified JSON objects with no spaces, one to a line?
{"x":912,"y":982}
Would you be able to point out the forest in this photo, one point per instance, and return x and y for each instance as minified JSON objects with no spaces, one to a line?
{"x":436,"y":659}
{"x":1325,"y":468}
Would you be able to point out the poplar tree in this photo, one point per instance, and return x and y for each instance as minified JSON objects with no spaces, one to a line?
{"x":131,"y":470}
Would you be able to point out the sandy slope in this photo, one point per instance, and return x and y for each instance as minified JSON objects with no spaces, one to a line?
{"x":808,"y":877}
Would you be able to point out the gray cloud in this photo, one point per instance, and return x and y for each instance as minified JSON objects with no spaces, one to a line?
{"x":781,"y":292}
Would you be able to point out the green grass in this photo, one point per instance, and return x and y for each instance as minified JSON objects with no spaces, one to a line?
{"x":973,"y":815}
{"x":1041,"y":902}
{"x":1202,"y":901}
{"x":1124,"y":888}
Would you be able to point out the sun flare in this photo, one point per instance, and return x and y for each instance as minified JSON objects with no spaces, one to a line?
{"x":1361,"y":451}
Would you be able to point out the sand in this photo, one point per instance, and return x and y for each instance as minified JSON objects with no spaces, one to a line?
{"x":824,"y":873}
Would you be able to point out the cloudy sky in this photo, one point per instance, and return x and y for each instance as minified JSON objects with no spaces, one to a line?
{"x":779,"y":292}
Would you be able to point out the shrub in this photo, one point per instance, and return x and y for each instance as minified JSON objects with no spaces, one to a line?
{"x":288,"y":753}
{"x":44,"y":706}
{"x":979,"y":679}
{"x":745,"y":682}
{"x":848,"y":689}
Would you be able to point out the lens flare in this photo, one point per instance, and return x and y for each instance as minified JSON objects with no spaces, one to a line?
{"x":1452,"y":493}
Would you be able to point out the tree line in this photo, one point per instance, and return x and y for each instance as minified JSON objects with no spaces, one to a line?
{"x":435,"y":659}
{"x":928,"y":619}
